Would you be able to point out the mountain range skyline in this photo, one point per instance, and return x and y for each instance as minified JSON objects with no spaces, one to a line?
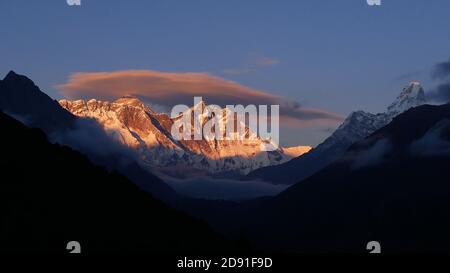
{"x":133,"y":133}
{"x":138,"y":126}
{"x":286,"y":51}
{"x":254,"y":130}
{"x":358,"y":197}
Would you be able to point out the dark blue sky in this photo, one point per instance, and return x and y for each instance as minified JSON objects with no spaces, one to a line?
{"x":337,"y":56}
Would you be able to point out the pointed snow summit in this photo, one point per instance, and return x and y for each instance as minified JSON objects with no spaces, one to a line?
{"x":412,"y":95}
{"x":360,"y":124}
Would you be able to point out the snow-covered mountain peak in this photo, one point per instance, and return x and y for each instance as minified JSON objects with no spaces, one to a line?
{"x":134,"y":124}
{"x":357,"y":126}
{"x":199,"y":105}
{"x":357,"y":116}
{"x":412,"y":95}
{"x":133,"y":102}
{"x":360,"y":124}
{"x":129,"y":100}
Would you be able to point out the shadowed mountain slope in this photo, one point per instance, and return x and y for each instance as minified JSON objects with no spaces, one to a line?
{"x":392,"y":187}
{"x":50,"y":195}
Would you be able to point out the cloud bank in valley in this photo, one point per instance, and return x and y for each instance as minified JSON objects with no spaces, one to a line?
{"x":372,"y":156}
{"x":436,"y":141}
{"x":168,"y":89}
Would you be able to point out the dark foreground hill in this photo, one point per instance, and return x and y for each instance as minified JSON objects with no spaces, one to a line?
{"x":393,"y":187}
{"x":50,"y":195}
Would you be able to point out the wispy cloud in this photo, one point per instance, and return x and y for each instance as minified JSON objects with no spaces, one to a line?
{"x":266,"y":61}
{"x":441,"y":70}
{"x":435,"y":142}
{"x":371,"y":156}
{"x":252,"y":66}
{"x":441,"y":73}
{"x":168,"y":89}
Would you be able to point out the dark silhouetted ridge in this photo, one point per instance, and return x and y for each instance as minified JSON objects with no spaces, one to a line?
{"x":20,"y":97}
{"x":50,"y":195}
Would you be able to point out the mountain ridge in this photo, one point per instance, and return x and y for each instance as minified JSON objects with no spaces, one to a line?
{"x":356,"y":126}
{"x":21,"y":97}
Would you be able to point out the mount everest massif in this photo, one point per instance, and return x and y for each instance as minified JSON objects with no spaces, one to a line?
{"x":137,"y":126}
{"x":213,"y":134}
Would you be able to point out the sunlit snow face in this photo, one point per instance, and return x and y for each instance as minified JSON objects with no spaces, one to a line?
{"x":211,"y":122}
